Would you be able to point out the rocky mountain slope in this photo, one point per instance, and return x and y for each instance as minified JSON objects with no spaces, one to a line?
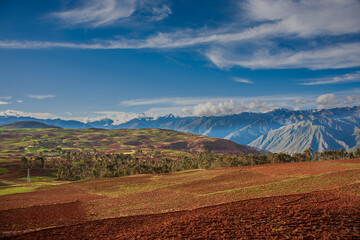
{"x":297,"y":137}
{"x":280,"y":130}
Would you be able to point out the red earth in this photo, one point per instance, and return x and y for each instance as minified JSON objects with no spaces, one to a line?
{"x":327,"y":206}
{"x":320,"y":215}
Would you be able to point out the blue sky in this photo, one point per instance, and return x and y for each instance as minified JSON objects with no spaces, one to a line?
{"x":91,"y":59}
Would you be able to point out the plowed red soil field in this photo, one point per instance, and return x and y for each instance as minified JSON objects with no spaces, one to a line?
{"x":319,"y":215}
{"x":318,"y":200}
{"x":42,"y":216}
{"x":56,"y":196}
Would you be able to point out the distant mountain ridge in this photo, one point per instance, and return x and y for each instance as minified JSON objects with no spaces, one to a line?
{"x":328,"y":129}
{"x":27,"y":124}
{"x":55,"y":122}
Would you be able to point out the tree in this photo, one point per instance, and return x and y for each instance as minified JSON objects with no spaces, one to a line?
{"x":357,"y":153}
{"x":24,"y":161}
{"x":40,"y":162}
{"x":308,"y":154}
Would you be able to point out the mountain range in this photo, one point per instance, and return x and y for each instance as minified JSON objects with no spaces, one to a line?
{"x":280,"y":130}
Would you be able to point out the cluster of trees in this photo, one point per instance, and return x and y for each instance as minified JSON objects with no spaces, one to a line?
{"x":336,"y":154}
{"x":85,"y":164}
{"x":37,"y":162}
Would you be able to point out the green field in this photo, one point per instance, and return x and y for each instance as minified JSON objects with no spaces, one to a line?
{"x":54,"y":143}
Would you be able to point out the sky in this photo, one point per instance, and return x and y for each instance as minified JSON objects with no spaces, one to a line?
{"x":120,"y":59}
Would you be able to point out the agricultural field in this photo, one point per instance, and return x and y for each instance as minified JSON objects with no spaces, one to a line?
{"x":317,"y":199}
{"x":15,"y":142}
{"x":52,"y":143}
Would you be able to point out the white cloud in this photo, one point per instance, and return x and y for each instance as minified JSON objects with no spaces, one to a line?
{"x":355,"y":99}
{"x":230,"y":107}
{"x":117,"y":117}
{"x":346,"y":78}
{"x":180,"y":102}
{"x":274,"y":19}
{"x":307,"y":18}
{"x":157,"y":112}
{"x":217,"y":106}
{"x":99,"y":13}
{"x":48,"y":44}
{"x":19,"y":101}
{"x":326,"y":100}
{"x":336,"y":56}
{"x":256,"y":105}
{"x":267,"y":20}
{"x":179,"y":39}
{"x":160,"y":12}
{"x":139,"y":102}
{"x":330,"y":57}
{"x":177,"y":101}
{"x":211,"y":109}
{"x":4,"y":103}
{"x":16,"y":113}
{"x":300,"y":101}
{"x":40,"y":97}
{"x":5,"y":97}
{"x":242,"y":80}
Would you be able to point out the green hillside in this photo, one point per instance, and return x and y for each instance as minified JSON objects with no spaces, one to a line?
{"x":19,"y":141}
{"x":27,"y":124}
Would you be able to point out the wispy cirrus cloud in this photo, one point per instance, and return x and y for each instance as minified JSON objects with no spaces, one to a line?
{"x":5,"y":97}
{"x":175,"y":101}
{"x":99,"y":13}
{"x":242,"y":80}
{"x":41,"y":97}
{"x":329,"y":57}
{"x":346,"y":78}
{"x":336,"y":56}
{"x":307,"y":18}
{"x":4,"y":103}
{"x":268,"y":21}
{"x":141,"y":102}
